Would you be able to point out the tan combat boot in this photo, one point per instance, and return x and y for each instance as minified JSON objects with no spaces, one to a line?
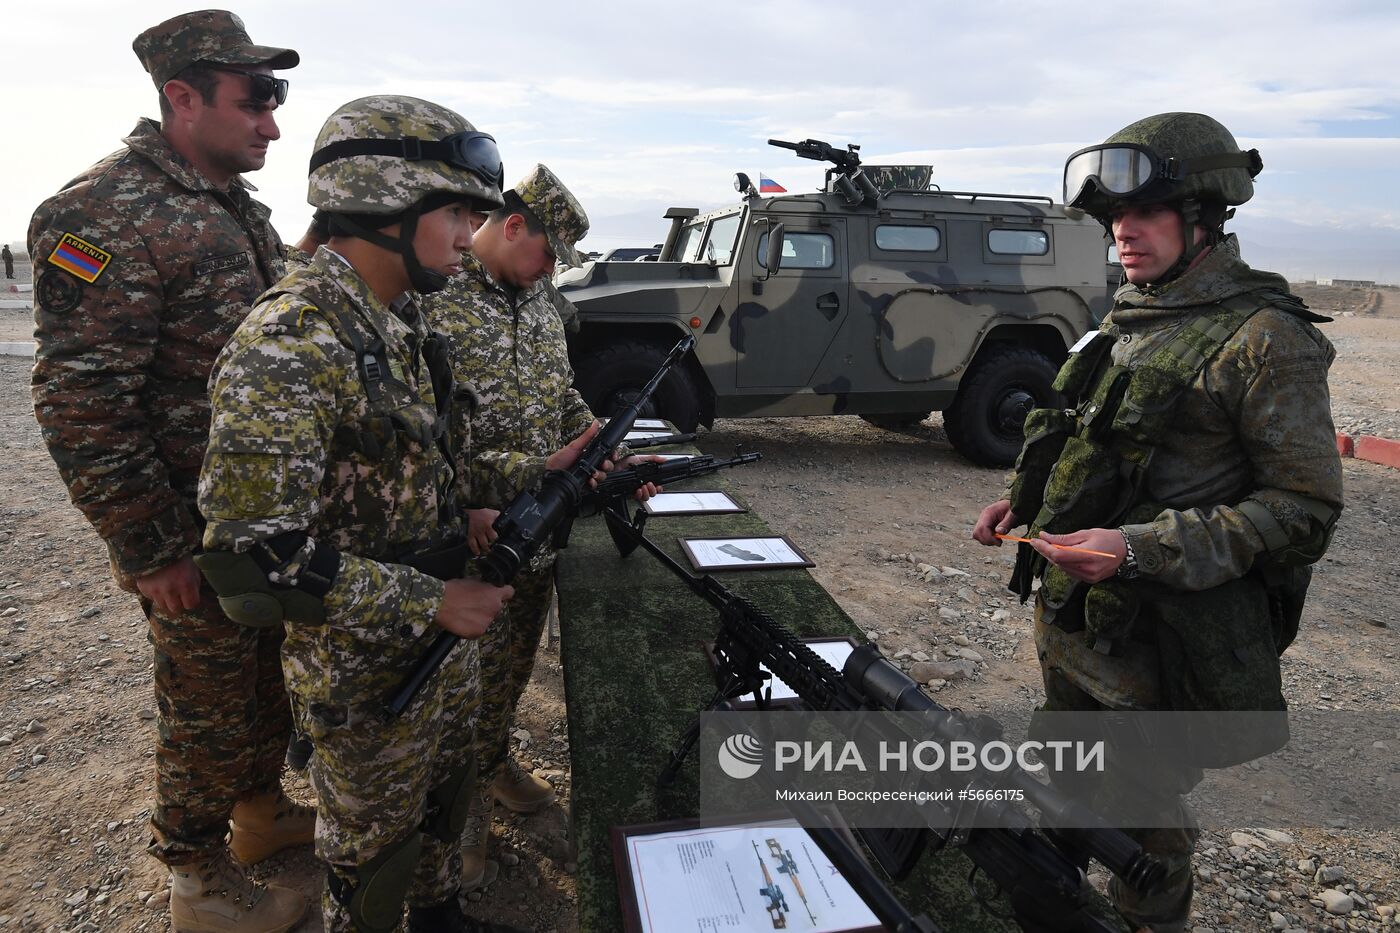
{"x":268,"y":823}
{"x":477,"y":870}
{"x":217,"y":897}
{"x":520,"y":791}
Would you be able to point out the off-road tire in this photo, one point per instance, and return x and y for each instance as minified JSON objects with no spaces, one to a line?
{"x":898,"y":421}
{"x":609,"y":376}
{"x":985,"y":421}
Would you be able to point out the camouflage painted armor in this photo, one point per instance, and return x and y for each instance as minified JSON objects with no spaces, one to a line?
{"x":143,"y":269}
{"x":299,"y":444}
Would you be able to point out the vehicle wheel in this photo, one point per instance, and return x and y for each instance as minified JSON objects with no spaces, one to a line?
{"x":610,"y":377}
{"x":898,"y":421}
{"x":985,"y":420}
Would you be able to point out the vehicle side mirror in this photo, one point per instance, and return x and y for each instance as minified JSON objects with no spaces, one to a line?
{"x":774,"y":257}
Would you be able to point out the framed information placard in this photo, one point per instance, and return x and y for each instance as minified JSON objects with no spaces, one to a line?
{"x":764,"y":552}
{"x":755,"y":877}
{"x":692,"y":502}
{"x":833,"y":651}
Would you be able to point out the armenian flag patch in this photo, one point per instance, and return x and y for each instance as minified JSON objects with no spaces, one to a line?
{"x":81,"y":258}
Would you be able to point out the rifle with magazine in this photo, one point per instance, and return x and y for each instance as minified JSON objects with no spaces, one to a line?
{"x":622,"y":483}
{"x":1041,"y":871}
{"x":536,"y":516}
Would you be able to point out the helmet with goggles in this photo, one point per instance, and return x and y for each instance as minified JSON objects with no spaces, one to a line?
{"x":381,"y":161}
{"x":1165,"y":158}
{"x":382,"y":155}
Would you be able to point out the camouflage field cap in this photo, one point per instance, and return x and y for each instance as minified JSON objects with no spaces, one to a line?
{"x":557,"y":209}
{"x":390,"y":183}
{"x":203,"y":36}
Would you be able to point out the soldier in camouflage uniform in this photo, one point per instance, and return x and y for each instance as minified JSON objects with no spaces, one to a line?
{"x":1200,"y":416}
{"x":507,"y":341}
{"x":145,"y":265}
{"x":328,"y":487}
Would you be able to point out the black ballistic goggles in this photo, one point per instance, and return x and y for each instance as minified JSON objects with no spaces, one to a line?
{"x":261,"y":88}
{"x":1121,"y":170}
{"x":470,"y":151}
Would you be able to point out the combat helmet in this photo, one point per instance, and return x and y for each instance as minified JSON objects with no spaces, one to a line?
{"x":1185,"y":159}
{"x":388,"y":159}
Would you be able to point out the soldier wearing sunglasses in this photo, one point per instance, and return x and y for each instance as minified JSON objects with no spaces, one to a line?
{"x":1195,"y":460}
{"x":144,"y":266}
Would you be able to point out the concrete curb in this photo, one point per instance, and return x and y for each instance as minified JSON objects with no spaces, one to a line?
{"x":1382,"y":450}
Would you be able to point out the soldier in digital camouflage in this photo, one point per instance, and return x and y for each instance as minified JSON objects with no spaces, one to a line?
{"x":1196,"y":449}
{"x":145,"y":264}
{"x":506,"y":340}
{"x":329,"y":489}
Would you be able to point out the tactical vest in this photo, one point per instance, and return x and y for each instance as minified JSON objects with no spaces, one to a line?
{"x":398,"y":419}
{"x":1085,"y":466}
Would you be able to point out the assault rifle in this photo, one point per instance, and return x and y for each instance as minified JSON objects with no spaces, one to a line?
{"x":535,"y":516}
{"x":622,"y":483}
{"x":1041,"y":871}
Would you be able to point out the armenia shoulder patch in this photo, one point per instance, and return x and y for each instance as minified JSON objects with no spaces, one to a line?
{"x":80,"y":258}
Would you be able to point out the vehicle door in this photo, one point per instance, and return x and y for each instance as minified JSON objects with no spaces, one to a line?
{"x":786,"y":320}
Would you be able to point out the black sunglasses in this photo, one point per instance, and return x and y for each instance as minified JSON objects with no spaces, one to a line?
{"x":261,"y":87}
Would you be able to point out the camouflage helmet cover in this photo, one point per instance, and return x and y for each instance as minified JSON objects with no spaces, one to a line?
{"x":389,"y":184}
{"x":216,"y":36}
{"x":1179,"y":139}
{"x":556,"y":208}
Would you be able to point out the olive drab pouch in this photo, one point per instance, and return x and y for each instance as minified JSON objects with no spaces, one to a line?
{"x":1046,"y":431}
{"x":1111,"y":609}
{"x":1061,"y":599}
{"x":1288,"y":590}
{"x":1218,"y":653}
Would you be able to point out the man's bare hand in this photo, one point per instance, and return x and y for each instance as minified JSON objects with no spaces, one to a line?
{"x":469,"y":606}
{"x":996,"y":519}
{"x":173,"y":588}
{"x":480,"y":534}
{"x":646,"y":490}
{"x":1079,"y":564}
{"x":567,"y":456}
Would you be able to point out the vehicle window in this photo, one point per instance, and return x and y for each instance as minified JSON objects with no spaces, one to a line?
{"x":719,"y":245}
{"x":899,"y":237}
{"x":1113,"y":253}
{"x":802,"y":251}
{"x":688,"y":242}
{"x":1018,"y":242}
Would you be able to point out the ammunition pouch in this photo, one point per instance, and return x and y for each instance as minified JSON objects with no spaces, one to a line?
{"x":1046,"y":431}
{"x":448,"y":803}
{"x":247,"y":596}
{"x":375,"y":899}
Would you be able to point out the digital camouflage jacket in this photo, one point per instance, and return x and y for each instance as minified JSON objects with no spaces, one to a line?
{"x":510,"y":349}
{"x":297,"y":444}
{"x":144,"y":268}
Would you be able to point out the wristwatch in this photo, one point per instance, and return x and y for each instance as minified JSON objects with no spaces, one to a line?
{"x":1128,"y":570}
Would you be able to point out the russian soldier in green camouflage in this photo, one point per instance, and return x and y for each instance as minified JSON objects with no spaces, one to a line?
{"x":1196,"y":449}
{"x":145,"y":264}
{"x":507,"y":341}
{"x":328,"y":488}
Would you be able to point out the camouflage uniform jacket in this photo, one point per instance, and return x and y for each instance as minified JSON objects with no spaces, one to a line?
{"x":1256,"y":424}
{"x":124,"y":355}
{"x":287,"y":453}
{"x":509,"y":347}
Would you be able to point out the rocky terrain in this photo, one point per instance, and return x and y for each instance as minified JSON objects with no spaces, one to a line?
{"x":886,"y":517}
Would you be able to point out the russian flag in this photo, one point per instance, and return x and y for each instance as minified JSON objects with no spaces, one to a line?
{"x":767,"y":185}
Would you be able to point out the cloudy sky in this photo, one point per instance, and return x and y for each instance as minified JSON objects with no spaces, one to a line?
{"x":638,"y":106}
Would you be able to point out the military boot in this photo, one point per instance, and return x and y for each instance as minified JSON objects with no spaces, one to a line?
{"x":217,"y":897}
{"x":268,"y":823}
{"x":447,"y":917}
{"x":477,"y":870}
{"x":519,"y":790}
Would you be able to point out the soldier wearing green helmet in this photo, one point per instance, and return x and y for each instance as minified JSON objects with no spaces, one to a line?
{"x":1195,"y":454}
{"x":328,"y":489}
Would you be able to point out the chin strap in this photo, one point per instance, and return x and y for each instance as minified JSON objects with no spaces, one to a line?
{"x":1194,"y":214}
{"x":424,"y":281}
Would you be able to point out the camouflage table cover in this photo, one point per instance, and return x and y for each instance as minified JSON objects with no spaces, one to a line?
{"x":633,"y":641}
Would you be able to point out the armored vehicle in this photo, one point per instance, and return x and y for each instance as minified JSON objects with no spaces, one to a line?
{"x":880,"y":296}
